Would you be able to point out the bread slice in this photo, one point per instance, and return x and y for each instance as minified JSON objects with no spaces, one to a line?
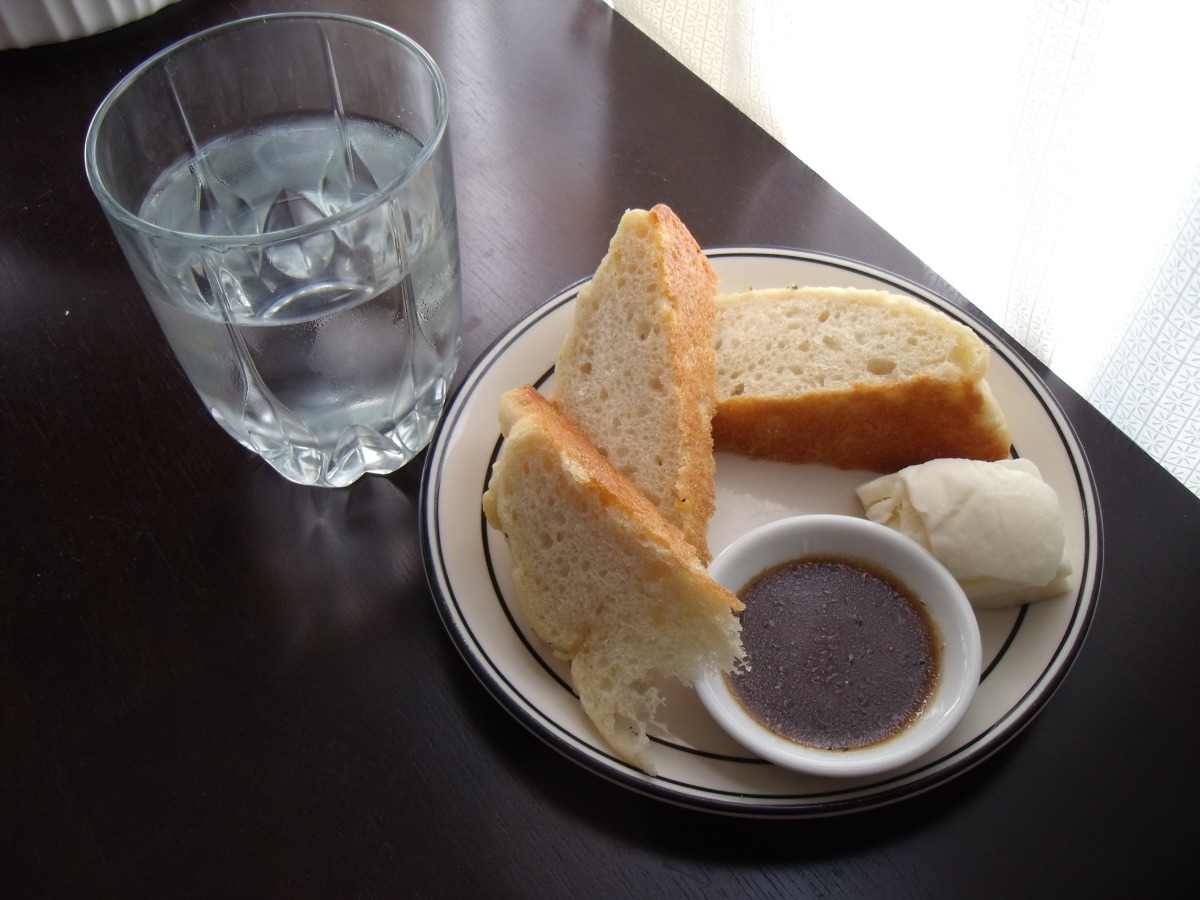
{"x":601,"y":576}
{"x":635,"y":372}
{"x":852,"y":378}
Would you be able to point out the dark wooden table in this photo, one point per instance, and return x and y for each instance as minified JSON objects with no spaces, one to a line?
{"x":216,"y":683}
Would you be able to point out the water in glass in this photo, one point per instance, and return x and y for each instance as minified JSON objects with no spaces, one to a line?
{"x":291,"y":341}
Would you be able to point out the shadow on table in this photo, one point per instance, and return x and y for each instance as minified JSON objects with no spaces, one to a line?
{"x":660,"y":830}
{"x":331,"y":562}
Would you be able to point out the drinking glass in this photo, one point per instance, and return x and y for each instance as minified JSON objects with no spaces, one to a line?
{"x":283,"y":190}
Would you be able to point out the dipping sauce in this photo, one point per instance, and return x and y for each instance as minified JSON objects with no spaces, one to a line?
{"x":841,"y":655}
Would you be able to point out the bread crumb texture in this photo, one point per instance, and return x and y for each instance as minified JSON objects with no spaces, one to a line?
{"x":601,"y":576}
{"x":636,"y":371}
{"x":852,"y":378}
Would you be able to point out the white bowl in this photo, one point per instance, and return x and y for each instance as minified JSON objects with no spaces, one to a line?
{"x":914,"y":567}
{"x":24,"y":23}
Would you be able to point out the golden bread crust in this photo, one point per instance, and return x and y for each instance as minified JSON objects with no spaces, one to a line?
{"x":592,"y":471}
{"x":691,"y":290}
{"x":883,"y":427}
{"x":851,"y":378}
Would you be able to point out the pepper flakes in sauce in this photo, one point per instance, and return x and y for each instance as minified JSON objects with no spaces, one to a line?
{"x":841,"y":656}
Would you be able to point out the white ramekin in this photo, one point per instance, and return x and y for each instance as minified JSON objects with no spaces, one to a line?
{"x":25,"y":23}
{"x":818,"y":535}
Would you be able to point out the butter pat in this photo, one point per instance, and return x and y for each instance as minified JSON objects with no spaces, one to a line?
{"x":997,"y":526}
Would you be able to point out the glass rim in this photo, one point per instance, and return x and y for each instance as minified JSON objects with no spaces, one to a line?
{"x":132,"y":220}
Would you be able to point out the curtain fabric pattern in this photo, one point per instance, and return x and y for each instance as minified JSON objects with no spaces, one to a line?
{"x":1041,"y":155}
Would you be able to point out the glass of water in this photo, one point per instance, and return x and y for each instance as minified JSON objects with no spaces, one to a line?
{"x":282,"y":188}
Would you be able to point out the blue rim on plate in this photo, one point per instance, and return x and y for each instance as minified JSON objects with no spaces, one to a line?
{"x":1027,"y":651}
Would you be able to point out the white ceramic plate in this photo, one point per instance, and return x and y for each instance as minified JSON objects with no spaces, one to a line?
{"x":1026,"y":651}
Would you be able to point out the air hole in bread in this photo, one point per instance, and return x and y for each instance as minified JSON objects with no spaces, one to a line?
{"x":585,"y":368}
{"x":823,"y":316}
{"x":545,"y":540}
{"x":655,"y":383}
{"x":831,"y":342}
{"x":738,"y":390}
{"x":880,"y":365}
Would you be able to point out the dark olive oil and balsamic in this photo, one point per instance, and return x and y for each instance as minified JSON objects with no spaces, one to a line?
{"x":841,"y":655}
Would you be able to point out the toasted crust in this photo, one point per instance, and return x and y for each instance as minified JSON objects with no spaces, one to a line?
{"x":601,"y":576}
{"x":636,"y":372}
{"x":864,"y":427}
{"x":857,"y":379}
{"x":589,"y":468}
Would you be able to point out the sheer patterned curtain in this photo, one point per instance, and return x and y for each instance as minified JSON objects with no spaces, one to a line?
{"x":1042,"y":155}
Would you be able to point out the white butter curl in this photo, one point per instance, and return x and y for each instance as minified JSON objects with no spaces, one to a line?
{"x":997,"y":526}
